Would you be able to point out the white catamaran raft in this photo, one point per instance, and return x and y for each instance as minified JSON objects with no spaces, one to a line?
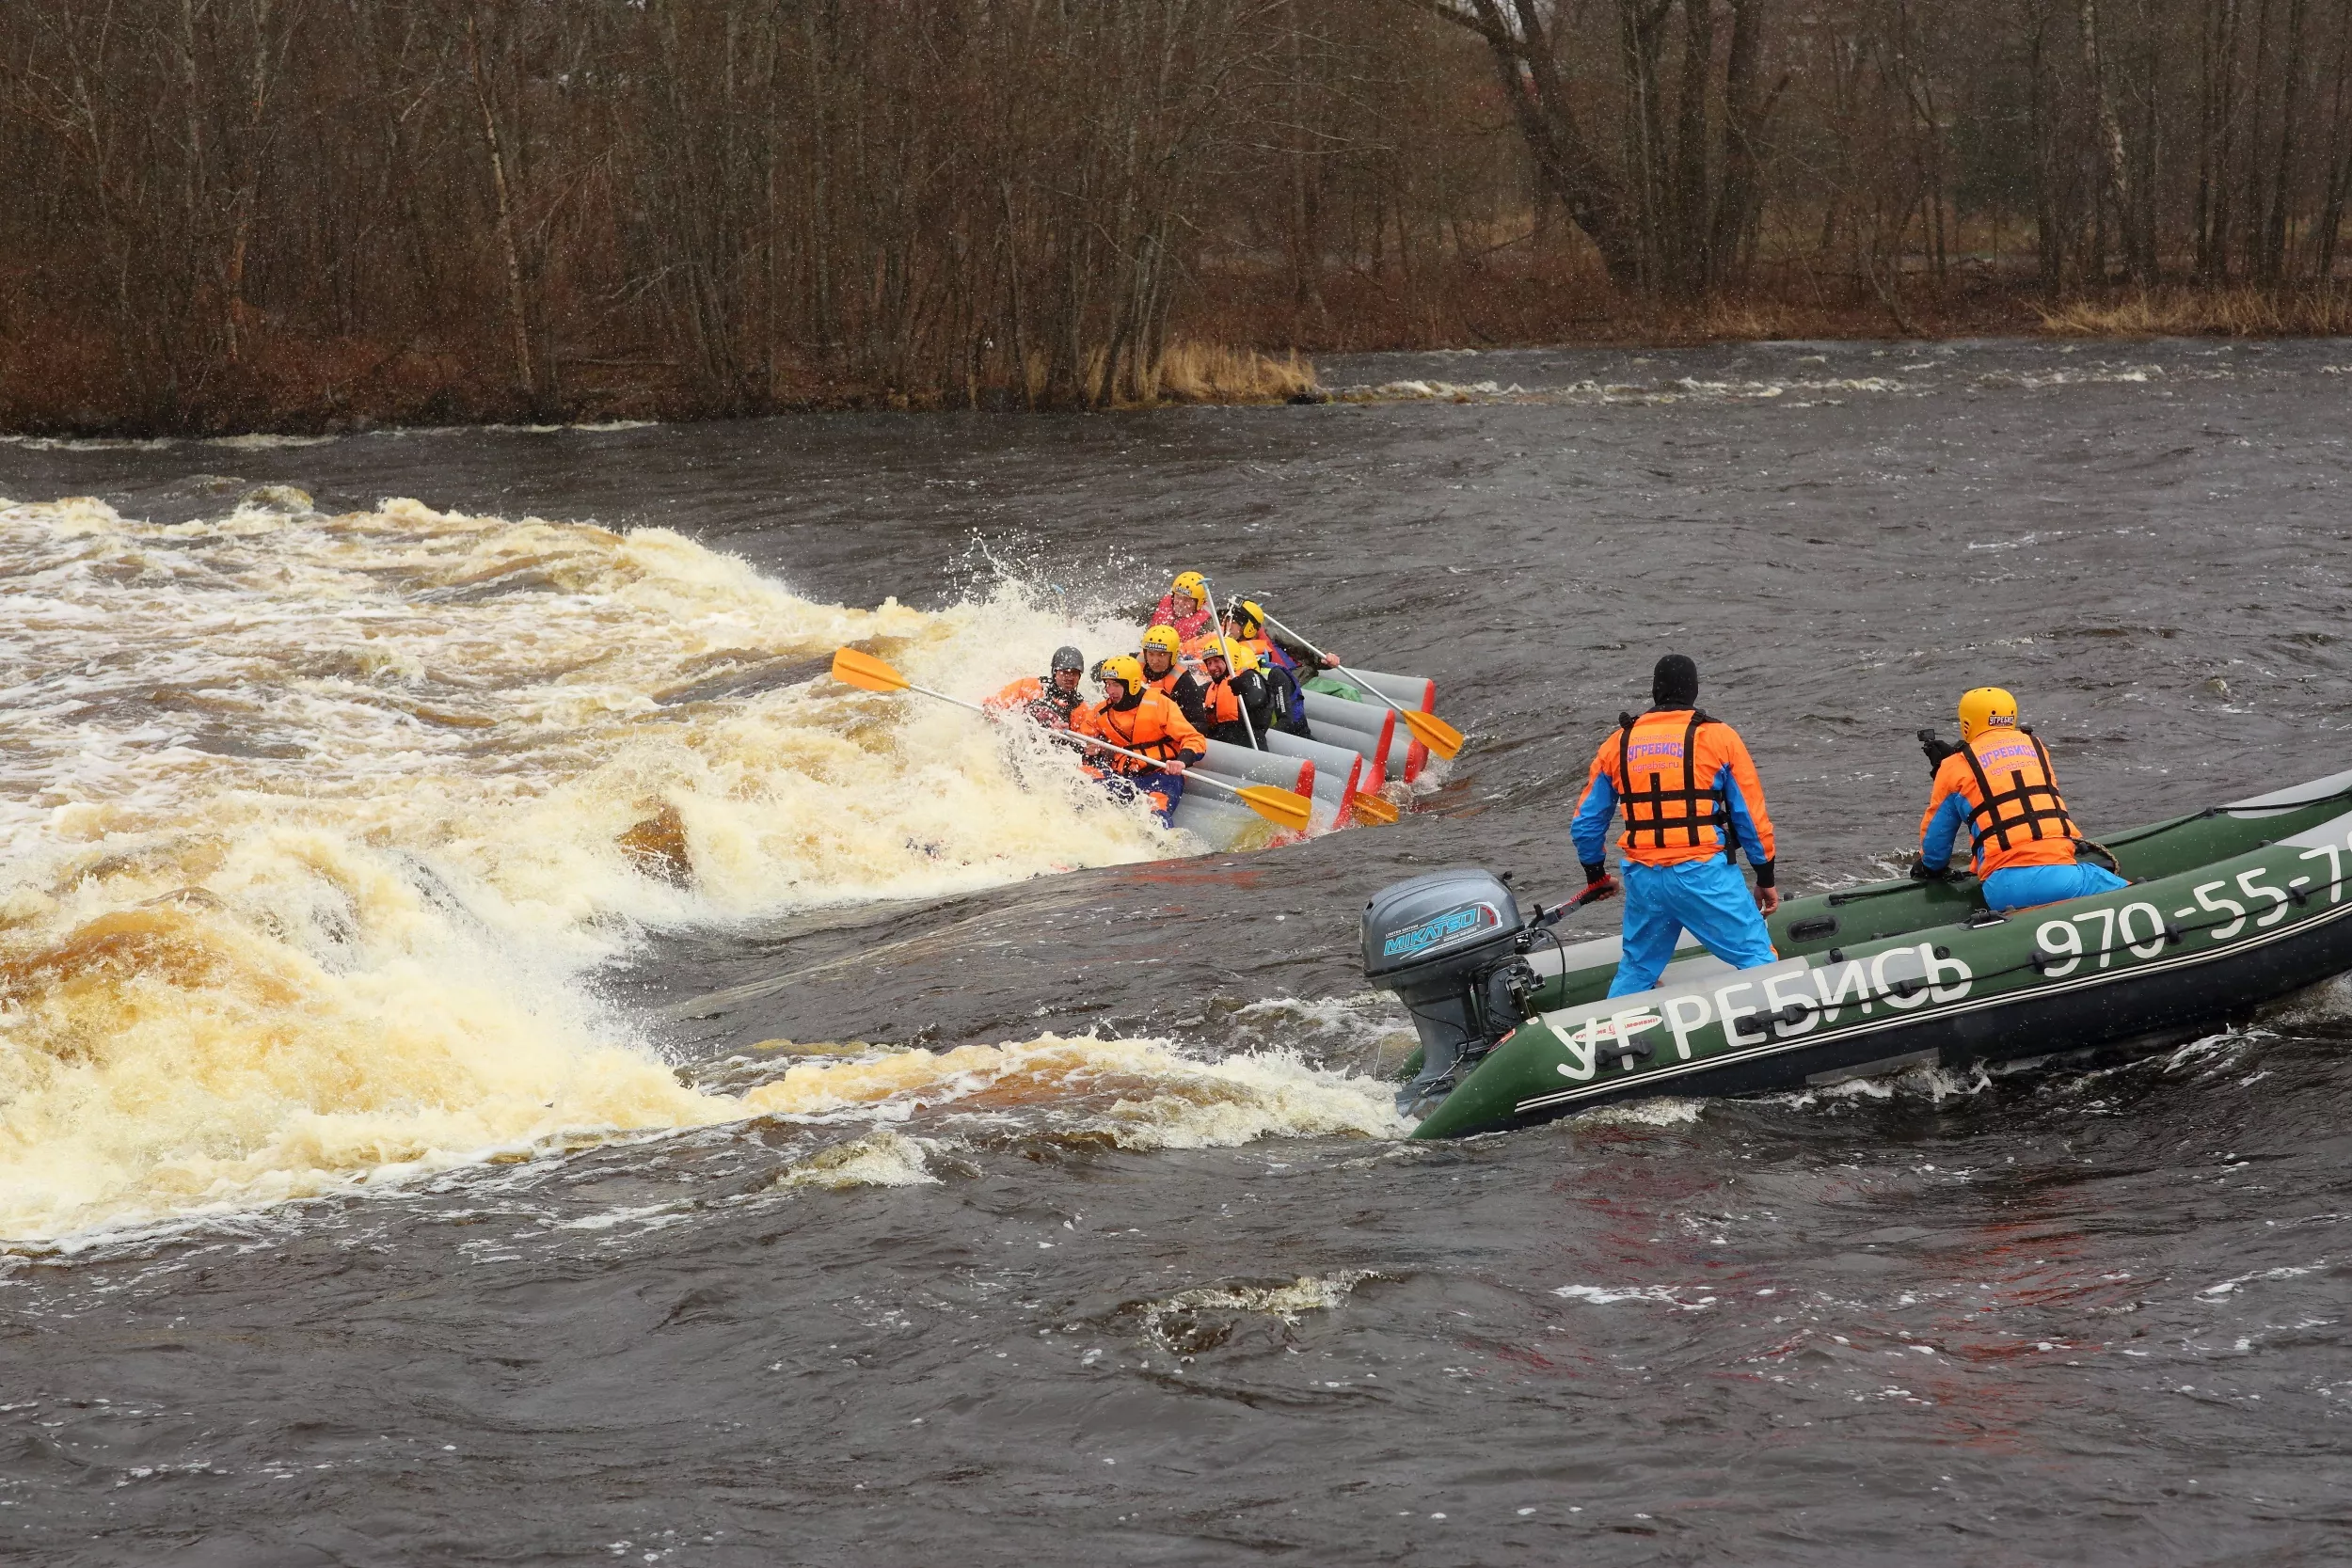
{"x":1242,"y":798}
{"x":1354,"y":750}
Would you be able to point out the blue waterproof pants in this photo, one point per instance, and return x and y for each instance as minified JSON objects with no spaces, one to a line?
{"x":2022,"y":887}
{"x":1154,"y":785}
{"x":1708,"y":898}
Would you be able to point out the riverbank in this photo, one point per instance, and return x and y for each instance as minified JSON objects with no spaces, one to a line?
{"x":59,"y":383}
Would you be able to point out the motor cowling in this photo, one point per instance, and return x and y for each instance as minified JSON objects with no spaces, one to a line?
{"x":1448,"y":944}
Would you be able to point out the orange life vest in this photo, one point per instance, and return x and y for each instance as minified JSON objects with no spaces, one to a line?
{"x":2015,"y":812}
{"x":1669,"y":802}
{"x":1191,"y":625}
{"x":1155,"y":726}
{"x":1218,"y":701}
{"x":1048,"y":704}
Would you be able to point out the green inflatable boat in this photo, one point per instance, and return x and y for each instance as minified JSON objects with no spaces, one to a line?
{"x":2227,"y":909}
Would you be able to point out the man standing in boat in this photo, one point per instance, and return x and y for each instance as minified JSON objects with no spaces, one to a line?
{"x":1997,"y":783}
{"x":1692,"y":801}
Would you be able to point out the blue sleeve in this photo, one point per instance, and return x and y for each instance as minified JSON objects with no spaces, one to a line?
{"x":1742,"y":821}
{"x":1592,"y":816}
{"x":1935,"y":845}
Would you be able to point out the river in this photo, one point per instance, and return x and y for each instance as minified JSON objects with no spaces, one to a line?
{"x":503,"y":1062}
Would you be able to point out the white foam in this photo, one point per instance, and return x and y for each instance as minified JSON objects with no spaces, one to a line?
{"x":1665,"y":1295}
{"x":316,"y":825}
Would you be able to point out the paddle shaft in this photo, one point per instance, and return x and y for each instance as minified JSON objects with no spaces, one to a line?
{"x":1084,"y":743}
{"x":1361,"y":683}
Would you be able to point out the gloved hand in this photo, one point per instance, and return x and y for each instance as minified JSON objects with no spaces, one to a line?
{"x":1922,"y":872}
{"x":1935,"y":748}
{"x":1598,"y":884}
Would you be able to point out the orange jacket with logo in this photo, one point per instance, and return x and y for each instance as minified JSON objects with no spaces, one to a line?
{"x":1685,"y":785}
{"x":2001,"y":787}
{"x":1155,"y":726}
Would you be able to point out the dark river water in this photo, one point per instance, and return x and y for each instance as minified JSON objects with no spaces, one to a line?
{"x":403,"y":1169}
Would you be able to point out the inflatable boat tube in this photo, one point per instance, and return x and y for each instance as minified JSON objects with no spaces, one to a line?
{"x":1418,"y":692}
{"x":1220,"y":823}
{"x":2227,"y":908}
{"x":1339,"y":769}
{"x":1377,"y":748}
{"x":1407,"y":756}
{"x":1367,"y":730}
{"x":1240,"y":765}
{"x":1322,"y":707}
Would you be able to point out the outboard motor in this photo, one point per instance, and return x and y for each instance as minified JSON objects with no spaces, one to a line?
{"x":1449,"y":945}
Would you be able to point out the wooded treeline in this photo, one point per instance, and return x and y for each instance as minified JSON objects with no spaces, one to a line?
{"x":215,"y":210}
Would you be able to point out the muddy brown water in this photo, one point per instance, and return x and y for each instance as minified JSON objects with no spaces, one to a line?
{"x":2094,"y":1312}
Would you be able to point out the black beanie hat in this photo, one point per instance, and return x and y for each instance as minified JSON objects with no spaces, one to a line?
{"x":1674,"y":683}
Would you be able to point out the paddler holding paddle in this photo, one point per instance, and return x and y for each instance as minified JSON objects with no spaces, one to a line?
{"x":1156,"y":741}
{"x":1162,"y":661}
{"x":1185,"y":606}
{"x":1286,"y":809}
{"x":1050,"y":700}
{"x":1692,"y":801}
{"x":1245,"y":627}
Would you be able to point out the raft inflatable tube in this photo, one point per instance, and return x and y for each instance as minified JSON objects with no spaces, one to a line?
{"x":1361,"y":727}
{"x":1240,"y":765}
{"x":2227,"y":909}
{"x":1220,"y":822}
{"x":1418,"y":692}
{"x":1339,"y":769}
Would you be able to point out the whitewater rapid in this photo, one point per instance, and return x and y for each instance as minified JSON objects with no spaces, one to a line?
{"x":319,"y":827}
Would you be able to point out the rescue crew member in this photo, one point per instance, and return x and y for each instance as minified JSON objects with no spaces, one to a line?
{"x":1691,"y":802}
{"x":1134,"y":716}
{"x":1050,"y":699}
{"x":1997,"y":783}
{"x":1186,"y":607}
{"x":1160,"y":652}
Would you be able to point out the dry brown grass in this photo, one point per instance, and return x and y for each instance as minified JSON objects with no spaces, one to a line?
{"x":1194,"y":371}
{"x":60,"y":381}
{"x":2186,"y":312}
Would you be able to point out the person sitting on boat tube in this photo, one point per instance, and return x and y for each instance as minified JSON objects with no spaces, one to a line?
{"x":1692,"y":801}
{"x":1051,"y":699}
{"x":1245,"y":626}
{"x":1206,"y":693}
{"x":1186,"y":607}
{"x":1161,"y":654}
{"x":1132,"y":715}
{"x":1997,"y":783}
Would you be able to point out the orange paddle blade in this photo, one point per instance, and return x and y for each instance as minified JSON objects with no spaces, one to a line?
{"x":1372,"y":808}
{"x":869,"y":673}
{"x":1432,"y":731}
